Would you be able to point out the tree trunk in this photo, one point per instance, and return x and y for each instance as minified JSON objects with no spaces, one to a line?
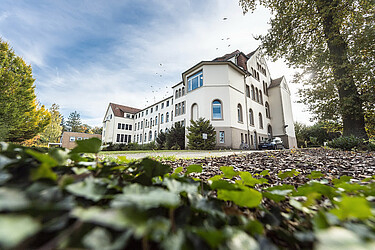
{"x":350,"y":101}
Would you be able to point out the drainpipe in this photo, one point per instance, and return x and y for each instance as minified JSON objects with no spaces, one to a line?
{"x":246,"y":110}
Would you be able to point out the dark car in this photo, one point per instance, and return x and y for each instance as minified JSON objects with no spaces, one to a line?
{"x":275,"y":143}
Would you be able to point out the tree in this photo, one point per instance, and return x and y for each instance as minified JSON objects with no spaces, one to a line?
{"x":54,"y":129}
{"x":333,"y":43}
{"x":196,"y":131}
{"x":74,"y":123}
{"x":175,"y":137}
{"x":161,"y":139}
{"x":21,"y":116}
{"x":97,"y":130}
{"x":316,"y":134}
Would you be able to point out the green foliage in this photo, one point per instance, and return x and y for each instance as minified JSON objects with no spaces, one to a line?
{"x":346,"y":143}
{"x":175,"y":137}
{"x":21,"y":116}
{"x":317,"y":134}
{"x":161,"y":140}
{"x":195,"y":137}
{"x":53,"y":130}
{"x":332,"y":43}
{"x":141,"y":204}
{"x":74,"y":123}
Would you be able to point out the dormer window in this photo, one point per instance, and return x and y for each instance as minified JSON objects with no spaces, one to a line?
{"x":195,"y":81}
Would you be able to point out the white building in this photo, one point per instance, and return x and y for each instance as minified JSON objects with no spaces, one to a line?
{"x":235,"y":92}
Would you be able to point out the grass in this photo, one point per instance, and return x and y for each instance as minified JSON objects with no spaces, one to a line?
{"x":158,"y":151}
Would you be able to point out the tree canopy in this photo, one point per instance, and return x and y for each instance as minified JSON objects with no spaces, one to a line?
{"x":21,"y":116}
{"x":196,"y":131}
{"x":74,"y":123}
{"x":333,"y":43}
{"x":54,"y":129}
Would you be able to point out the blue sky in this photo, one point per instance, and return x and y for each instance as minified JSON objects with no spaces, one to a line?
{"x":87,"y":53}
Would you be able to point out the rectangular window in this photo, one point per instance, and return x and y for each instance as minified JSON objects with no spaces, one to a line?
{"x":127,"y":127}
{"x":162,"y":105}
{"x":221,"y":137}
{"x":141,"y":124}
{"x":130,"y":127}
{"x":151,"y":110}
{"x":130,"y":138}
{"x":127,"y":115}
{"x":119,"y":126}
{"x":247,"y":91}
{"x":147,"y":112}
{"x":195,"y":81}
{"x":126,"y":138}
{"x":183,"y":107}
{"x":122,"y":138}
{"x":122,"y":126}
{"x":156,"y":108}
{"x":167,"y":105}
{"x":72,"y":138}
{"x":118,"y":138}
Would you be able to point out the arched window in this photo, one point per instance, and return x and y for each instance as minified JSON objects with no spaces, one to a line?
{"x":194,"y":112}
{"x":150,"y":122}
{"x":257,"y":94}
{"x":265,"y":88}
{"x":150,"y":136}
{"x":167,"y":117}
{"x":162,"y":119}
{"x":260,"y":97}
{"x":260,"y":121}
{"x":239,"y":113}
{"x":252,"y":92}
{"x":179,"y":92}
{"x":251,"y":117}
{"x":269,"y":131}
{"x":217,"y":110}
{"x":268,"y":113}
{"x":176,"y":96}
{"x":156,"y":120}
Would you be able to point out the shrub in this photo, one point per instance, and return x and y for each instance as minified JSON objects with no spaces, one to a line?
{"x":175,"y":137}
{"x":195,"y":137}
{"x":346,"y":143}
{"x":161,"y":139}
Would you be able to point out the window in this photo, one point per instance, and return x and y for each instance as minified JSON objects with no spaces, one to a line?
{"x":127,"y":115}
{"x":195,"y":81}
{"x":72,"y":138}
{"x":221,"y":137}
{"x":150,"y":122}
{"x":179,"y":108}
{"x":252,"y":92}
{"x":179,"y":93}
{"x":122,"y":138}
{"x":183,"y":90}
{"x":239,"y":113}
{"x":118,"y":138}
{"x":150,"y":136}
{"x":217,"y":110}
{"x":161,"y":118}
{"x":119,"y":126}
{"x":156,"y":120}
{"x":176,"y":95}
{"x":260,"y":121}
{"x":265,"y":88}
{"x":146,"y":111}
{"x":155,"y":134}
{"x":151,"y":110}
{"x":171,"y":115}
{"x":247,"y":91}
{"x":167,"y":105}
{"x":194,"y":112}
{"x":142,"y":113}
{"x":122,"y":126}
{"x":130,"y":127}
{"x":260,"y":97}
{"x":127,"y":127}
{"x":241,"y":137}
{"x":176,"y":109}
{"x":137,"y":138}
{"x":268,"y":113}
{"x":130,"y":138}
{"x":257,"y":94}
{"x":167,"y":117}
{"x":141,"y":124}
{"x":79,"y":138}
{"x":156,"y":108}
{"x":162,"y":105}
{"x":251,"y":117}
{"x":183,"y":107}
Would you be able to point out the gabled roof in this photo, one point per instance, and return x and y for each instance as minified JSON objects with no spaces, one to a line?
{"x":226,"y":57}
{"x":119,"y":110}
{"x":276,"y":82}
{"x":252,"y":53}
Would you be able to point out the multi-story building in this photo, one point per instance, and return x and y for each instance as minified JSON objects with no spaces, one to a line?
{"x":235,"y":92}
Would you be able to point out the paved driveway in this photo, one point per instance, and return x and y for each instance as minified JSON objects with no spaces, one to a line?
{"x":186,"y":154}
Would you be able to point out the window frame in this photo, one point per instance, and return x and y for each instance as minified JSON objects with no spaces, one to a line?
{"x":220,"y":103}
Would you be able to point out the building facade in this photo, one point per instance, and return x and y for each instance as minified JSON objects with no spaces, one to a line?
{"x":68,"y":139}
{"x":235,"y":92}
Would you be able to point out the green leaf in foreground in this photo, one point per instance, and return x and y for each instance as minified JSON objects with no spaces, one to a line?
{"x":214,"y":237}
{"x":228,"y":172}
{"x":16,"y":228}
{"x":290,"y":174}
{"x":315,"y":175}
{"x":12,"y":199}
{"x":195,"y":168}
{"x":246,"y":197}
{"x":89,"y":188}
{"x":91,"y":145}
{"x":352,"y":207}
{"x":145,"y":197}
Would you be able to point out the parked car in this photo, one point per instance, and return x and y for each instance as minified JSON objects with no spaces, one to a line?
{"x":275,"y":143}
